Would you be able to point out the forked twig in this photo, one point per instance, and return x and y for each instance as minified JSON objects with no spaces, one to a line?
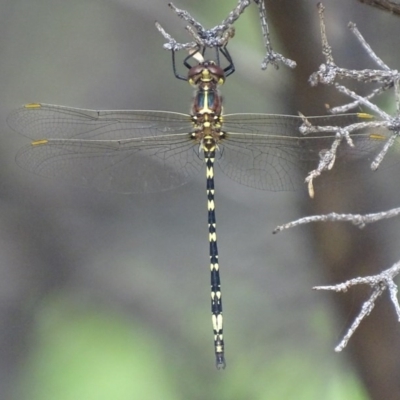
{"x":378,"y":283}
{"x":328,"y":73}
{"x":219,"y":35}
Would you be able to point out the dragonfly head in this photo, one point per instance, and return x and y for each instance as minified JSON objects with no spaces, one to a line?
{"x":206,"y":72}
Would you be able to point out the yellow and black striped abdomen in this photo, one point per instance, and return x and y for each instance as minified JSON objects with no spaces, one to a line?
{"x":216,"y":300}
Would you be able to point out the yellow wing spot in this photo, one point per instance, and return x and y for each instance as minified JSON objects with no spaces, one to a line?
{"x":365,"y":115}
{"x":376,"y":136}
{"x":39,"y":142}
{"x":33,"y":105}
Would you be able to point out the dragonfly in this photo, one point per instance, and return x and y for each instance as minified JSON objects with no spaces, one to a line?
{"x":140,"y":151}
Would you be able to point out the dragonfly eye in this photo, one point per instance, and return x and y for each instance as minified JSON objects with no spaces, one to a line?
{"x":207,"y":71}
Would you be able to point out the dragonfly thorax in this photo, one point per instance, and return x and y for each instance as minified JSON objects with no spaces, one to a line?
{"x":207,"y":101}
{"x":207,"y":104}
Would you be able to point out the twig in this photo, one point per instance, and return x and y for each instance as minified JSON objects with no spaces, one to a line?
{"x":387,"y":79}
{"x":328,"y":155}
{"x":219,"y":35}
{"x":386,"y":5}
{"x":379,"y":283}
{"x":328,"y":73}
{"x":271,"y":57}
{"x":357,"y":219}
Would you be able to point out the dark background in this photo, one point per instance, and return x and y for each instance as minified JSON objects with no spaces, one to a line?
{"x":107,"y":296}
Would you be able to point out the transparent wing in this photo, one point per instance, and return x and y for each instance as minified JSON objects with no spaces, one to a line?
{"x":268,"y":152}
{"x":149,"y":151}
{"x":46,"y":121}
{"x":282,"y":125}
{"x":117,"y":166}
{"x":118,"y":151}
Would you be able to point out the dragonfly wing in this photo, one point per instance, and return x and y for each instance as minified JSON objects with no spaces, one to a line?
{"x":268,"y":152}
{"x":123,"y":166}
{"x":264,"y":163}
{"x":119,"y":151}
{"x":43,"y":121}
{"x":282,"y":125}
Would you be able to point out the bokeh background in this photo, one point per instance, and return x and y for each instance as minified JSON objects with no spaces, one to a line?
{"x":106,"y":296}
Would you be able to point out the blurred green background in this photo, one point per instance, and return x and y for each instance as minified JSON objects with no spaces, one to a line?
{"x":105,"y":296}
